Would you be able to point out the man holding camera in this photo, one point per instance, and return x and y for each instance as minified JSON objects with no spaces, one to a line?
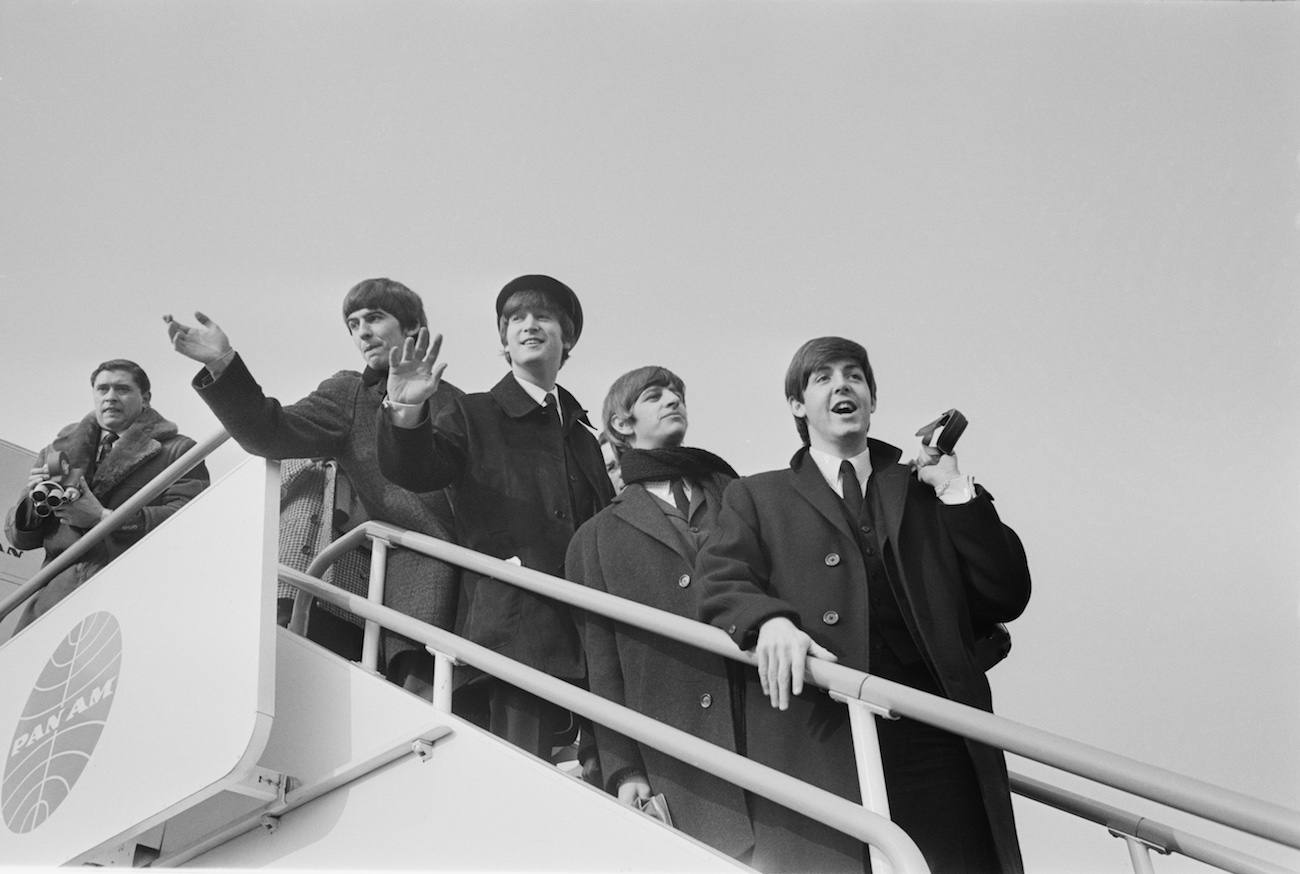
{"x":91,"y":469}
{"x":895,"y":569}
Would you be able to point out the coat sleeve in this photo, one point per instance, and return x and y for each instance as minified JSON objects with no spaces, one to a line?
{"x":735,"y":571}
{"x":995,"y":570}
{"x":620,"y":755}
{"x":175,"y":496}
{"x":317,"y":425}
{"x":428,"y":457}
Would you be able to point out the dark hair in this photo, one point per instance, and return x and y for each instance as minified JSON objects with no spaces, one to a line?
{"x":623,"y":394}
{"x":816,"y":354}
{"x":390,"y":296}
{"x":136,"y":371}
{"x":536,"y":301}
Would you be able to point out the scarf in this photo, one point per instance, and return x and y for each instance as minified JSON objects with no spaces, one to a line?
{"x":680,"y":462}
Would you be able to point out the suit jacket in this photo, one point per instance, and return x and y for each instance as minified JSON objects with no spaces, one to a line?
{"x":784,"y":548}
{"x":504,"y":461}
{"x":141,"y":452}
{"x":643,"y":550}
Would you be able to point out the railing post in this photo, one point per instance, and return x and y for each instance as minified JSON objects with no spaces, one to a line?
{"x":871,"y":774}
{"x":1139,"y":853}
{"x":442,"y":674}
{"x":378,"y":568}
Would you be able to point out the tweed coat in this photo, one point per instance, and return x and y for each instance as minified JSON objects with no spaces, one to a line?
{"x":641,"y":549}
{"x":504,"y":462}
{"x":141,"y":452}
{"x":337,"y":420}
{"x":784,"y":548}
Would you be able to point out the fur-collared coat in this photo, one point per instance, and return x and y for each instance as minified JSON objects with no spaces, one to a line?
{"x":642,"y":549}
{"x":141,"y":452}
{"x":784,"y":548}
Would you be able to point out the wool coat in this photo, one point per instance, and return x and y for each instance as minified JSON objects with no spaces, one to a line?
{"x":644,"y":550}
{"x":784,"y":548}
{"x":508,"y":467}
{"x":141,"y":452}
{"x":337,"y":420}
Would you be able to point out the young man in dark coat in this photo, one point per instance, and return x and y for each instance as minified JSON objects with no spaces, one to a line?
{"x":523,"y":476}
{"x":851,"y":555}
{"x":111,"y":454}
{"x":337,"y":420}
{"x":643,"y":547}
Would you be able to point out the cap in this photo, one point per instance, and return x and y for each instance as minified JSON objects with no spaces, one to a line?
{"x":554,"y":290}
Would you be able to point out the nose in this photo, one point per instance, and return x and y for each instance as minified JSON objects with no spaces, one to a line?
{"x":528,"y":322}
{"x":671,"y":400}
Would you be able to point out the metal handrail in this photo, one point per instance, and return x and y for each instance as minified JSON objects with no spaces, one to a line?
{"x":156,"y":486}
{"x":1227,"y":807}
{"x":1124,"y":823}
{"x":825,"y":806}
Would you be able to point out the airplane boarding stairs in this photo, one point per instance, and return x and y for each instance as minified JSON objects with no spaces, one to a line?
{"x":160,"y":717}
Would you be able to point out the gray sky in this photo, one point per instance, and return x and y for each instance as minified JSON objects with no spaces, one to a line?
{"x":1077,"y":223}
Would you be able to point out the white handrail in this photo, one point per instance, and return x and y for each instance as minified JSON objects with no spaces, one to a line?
{"x":1227,"y":807}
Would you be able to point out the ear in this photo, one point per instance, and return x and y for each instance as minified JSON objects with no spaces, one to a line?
{"x":873,"y":403}
{"x":799,"y":410}
{"x":411,"y":332}
{"x":621,"y":425}
{"x":146,"y":396}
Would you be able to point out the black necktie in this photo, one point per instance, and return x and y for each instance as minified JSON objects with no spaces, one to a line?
{"x":678,"y":488}
{"x":852,"y":491}
{"x":106,"y":441}
{"x":553,"y":408}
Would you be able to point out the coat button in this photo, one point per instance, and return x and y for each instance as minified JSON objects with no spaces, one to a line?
{"x":559,"y":514}
{"x":832,"y":560}
{"x":731,"y":630}
{"x":866,"y":529}
{"x":573,"y":478}
{"x":684,"y":580}
{"x":695,"y":529}
{"x":869,"y":550}
{"x":830,"y":617}
{"x":706,"y":700}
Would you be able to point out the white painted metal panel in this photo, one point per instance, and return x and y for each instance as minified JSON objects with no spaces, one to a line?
{"x":185,"y":705}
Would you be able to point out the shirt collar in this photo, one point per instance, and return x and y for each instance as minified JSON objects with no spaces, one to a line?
{"x":536,"y":392}
{"x":829,"y":465}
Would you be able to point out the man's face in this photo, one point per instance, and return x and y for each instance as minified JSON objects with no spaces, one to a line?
{"x":837,"y":405}
{"x":657,"y":420}
{"x":535,"y":339}
{"x":375,"y":332}
{"x":612,"y":466}
{"x":118,"y":400}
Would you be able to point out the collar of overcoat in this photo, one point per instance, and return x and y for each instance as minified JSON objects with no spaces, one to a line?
{"x":517,"y":403}
{"x":889,"y":476}
{"x":134,"y":446}
{"x":640,"y":509}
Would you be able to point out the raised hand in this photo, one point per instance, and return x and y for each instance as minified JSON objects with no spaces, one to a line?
{"x":414,"y":373}
{"x":206,"y":343}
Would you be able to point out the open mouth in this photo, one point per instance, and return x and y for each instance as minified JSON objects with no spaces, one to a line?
{"x":844,"y":408}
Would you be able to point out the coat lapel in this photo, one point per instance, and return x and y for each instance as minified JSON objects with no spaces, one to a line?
{"x":890,"y":479}
{"x":809,"y":482}
{"x":138,"y":444}
{"x":640,"y":509}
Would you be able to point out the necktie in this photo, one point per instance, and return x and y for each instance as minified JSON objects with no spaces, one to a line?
{"x":852,"y":491}
{"x":553,"y":408}
{"x":106,"y":441}
{"x":678,"y":488}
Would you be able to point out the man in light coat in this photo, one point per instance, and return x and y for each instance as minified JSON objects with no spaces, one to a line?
{"x":893,"y":569}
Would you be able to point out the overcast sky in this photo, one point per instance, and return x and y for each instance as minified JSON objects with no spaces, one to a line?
{"x":1077,"y":223}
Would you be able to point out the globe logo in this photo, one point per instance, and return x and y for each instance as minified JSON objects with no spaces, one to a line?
{"x":62,"y":722}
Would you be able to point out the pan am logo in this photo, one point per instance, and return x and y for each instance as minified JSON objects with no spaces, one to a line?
{"x":62,"y":722}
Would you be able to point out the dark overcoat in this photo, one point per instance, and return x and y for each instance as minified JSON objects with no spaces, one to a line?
{"x":505,"y":462}
{"x":641,"y":549}
{"x":952,"y":568}
{"x":337,"y":421}
{"x":142,"y":451}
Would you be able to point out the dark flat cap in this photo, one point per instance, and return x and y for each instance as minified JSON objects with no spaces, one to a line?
{"x":554,"y":290}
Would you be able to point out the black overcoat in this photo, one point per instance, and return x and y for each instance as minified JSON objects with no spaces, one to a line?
{"x":641,"y":549}
{"x":504,"y":461}
{"x":784,"y":548}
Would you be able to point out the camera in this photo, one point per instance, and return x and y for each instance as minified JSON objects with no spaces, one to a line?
{"x":50,"y":494}
{"x":949,"y":427}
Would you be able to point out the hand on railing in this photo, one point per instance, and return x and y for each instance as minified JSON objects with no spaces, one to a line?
{"x":782,"y":651}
